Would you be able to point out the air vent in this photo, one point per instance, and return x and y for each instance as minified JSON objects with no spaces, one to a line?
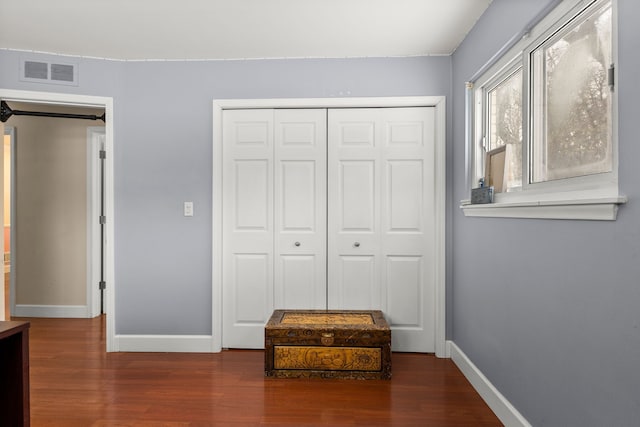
{"x":60,"y":73}
{"x":36,"y":70}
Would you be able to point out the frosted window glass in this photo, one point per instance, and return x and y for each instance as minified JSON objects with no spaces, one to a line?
{"x":572,"y":101}
{"x":505,"y":124}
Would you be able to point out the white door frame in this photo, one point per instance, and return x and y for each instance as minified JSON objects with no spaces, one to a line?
{"x":95,"y":102}
{"x":440,"y":191}
{"x":95,"y":138}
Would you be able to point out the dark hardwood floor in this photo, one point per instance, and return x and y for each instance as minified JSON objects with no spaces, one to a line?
{"x":74,"y":382}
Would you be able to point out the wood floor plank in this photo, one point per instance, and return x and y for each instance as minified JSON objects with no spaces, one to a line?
{"x":74,"y":382}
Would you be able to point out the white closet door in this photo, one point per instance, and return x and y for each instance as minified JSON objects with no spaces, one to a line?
{"x":381,"y":218}
{"x":248,"y":233}
{"x":300,"y":209}
{"x":274,"y":218}
{"x":354,"y":210}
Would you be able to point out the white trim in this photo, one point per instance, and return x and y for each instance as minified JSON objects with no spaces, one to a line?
{"x":448,"y":345}
{"x":107,"y":104}
{"x":216,"y":238}
{"x":94,"y":145}
{"x":593,"y":209}
{"x":440,"y":230}
{"x":53,"y":311}
{"x":374,"y":102}
{"x":164,"y":343}
{"x":499,"y":404}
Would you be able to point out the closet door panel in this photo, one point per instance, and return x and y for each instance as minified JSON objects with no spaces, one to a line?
{"x":380,"y":196}
{"x":357,"y":196}
{"x":251,"y":195}
{"x":407,"y":233}
{"x":250,"y":274}
{"x":405,"y":195}
{"x":298,"y":276}
{"x":247,"y":240}
{"x":406,"y":275}
{"x":298,"y":196}
{"x":354,"y":209}
{"x":300,"y":208}
{"x":356,"y":282}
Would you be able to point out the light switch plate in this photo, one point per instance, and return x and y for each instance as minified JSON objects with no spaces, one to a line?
{"x":188,"y":208}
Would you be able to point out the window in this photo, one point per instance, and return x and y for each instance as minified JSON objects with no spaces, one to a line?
{"x":571,"y":100}
{"x":549,"y":104}
{"x":504,"y":125}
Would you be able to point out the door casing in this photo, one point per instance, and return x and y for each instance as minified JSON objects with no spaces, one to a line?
{"x":440,"y":191}
{"x":95,"y":143}
{"x":107,"y":104}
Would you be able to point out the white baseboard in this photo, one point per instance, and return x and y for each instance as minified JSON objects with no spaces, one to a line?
{"x":503,"y":409}
{"x":164,"y":343}
{"x":52,"y":311}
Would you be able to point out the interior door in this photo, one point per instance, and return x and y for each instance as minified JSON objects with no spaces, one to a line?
{"x":328,"y":209}
{"x":247,"y":216}
{"x":300,"y":209}
{"x":381,"y":218}
{"x":274,"y":218}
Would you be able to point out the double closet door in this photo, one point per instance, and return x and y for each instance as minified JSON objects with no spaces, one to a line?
{"x":329,"y":209}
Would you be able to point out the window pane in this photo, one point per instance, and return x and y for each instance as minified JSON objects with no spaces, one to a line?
{"x":505,"y":125}
{"x":572,"y":101}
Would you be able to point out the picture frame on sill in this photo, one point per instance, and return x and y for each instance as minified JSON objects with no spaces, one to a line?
{"x":496,"y":174}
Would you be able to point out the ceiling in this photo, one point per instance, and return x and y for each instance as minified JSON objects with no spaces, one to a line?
{"x":237,"y":29}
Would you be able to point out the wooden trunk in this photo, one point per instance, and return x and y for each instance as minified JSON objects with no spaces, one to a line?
{"x":354,"y":344}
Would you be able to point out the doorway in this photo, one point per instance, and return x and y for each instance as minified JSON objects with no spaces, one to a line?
{"x":51,"y":101}
{"x":438,"y":153}
{"x":52,"y":203}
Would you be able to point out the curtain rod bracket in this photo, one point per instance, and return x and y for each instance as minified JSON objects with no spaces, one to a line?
{"x":6,"y":112}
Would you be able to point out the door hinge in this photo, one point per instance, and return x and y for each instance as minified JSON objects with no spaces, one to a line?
{"x":102,"y":285}
{"x":103,"y":154}
{"x":611,"y":80}
{"x":103,"y":220}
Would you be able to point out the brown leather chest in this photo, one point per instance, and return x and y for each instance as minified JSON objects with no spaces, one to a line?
{"x":352,"y":344}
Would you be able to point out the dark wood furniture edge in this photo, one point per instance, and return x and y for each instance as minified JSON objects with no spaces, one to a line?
{"x":10,"y":328}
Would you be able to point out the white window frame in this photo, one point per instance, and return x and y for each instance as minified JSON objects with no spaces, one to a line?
{"x":590,"y":197}
{"x":481,"y":114}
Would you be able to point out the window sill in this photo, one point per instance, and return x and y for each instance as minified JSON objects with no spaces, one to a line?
{"x":603,"y":209}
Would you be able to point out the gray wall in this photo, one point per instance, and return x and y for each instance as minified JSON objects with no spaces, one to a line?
{"x":553,"y":320}
{"x":163,"y":157}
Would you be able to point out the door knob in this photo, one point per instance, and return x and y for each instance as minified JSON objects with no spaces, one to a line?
{"x":297,"y":243}
{"x":356,"y":244}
